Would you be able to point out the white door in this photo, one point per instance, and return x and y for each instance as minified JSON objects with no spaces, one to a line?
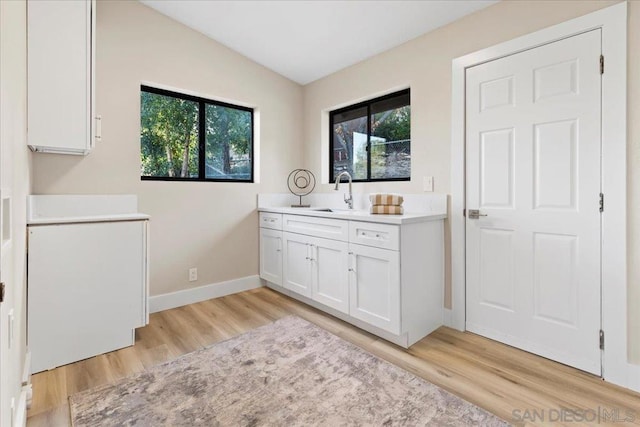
{"x":296,"y":255}
{"x":271,"y":255}
{"x":10,"y":121}
{"x":533,"y":168}
{"x":329,"y":273}
{"x":8,"y":374}
{"x":374,"y":286}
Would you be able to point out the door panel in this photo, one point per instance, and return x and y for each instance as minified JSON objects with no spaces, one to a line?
{"x":555,"y":281}
{"x":330,"y":279}
{"x":295,"y":263}
{"x":271,"y":255}
{"x":496,"y":268}
{"x":496,"y":169}
{"x":555,"y":165}
{"x":374,"y":287}
{"x":533,"y":168}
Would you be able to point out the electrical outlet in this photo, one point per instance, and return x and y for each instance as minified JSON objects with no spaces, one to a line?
{"x":427,"y":183}
{"x":193,"y":274}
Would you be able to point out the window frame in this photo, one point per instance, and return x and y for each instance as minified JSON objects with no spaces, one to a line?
{"x":359,"y":105}
{"x":202,"y":102}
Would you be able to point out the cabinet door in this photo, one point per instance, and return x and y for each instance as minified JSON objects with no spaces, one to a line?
{"x":271,"y":255}
{"x":59,"y":74}
{"x":86,"y":290}
{"x":296,"y":263}
{"x":374,"y":286}
{"x":329,"y":273}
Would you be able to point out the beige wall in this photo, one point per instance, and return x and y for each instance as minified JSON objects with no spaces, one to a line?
{"x":424,"y":64}
{"x":15,"y":167}
{"x":211,"y":226}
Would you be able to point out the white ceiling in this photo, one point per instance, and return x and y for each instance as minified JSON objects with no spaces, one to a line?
{"x":307,"y":40}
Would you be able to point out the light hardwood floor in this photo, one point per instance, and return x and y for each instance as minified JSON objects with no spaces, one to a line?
{"x":494,"y":376}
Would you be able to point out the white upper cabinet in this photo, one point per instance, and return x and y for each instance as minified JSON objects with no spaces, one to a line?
{"x":61,"y":39}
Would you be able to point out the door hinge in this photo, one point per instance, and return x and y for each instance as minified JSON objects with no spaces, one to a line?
{"x":601,"y":64}
{"x":2,"y":291}
{"x":601,"y":202}
{"x":464,"y":213}
{"x":601,"y":339}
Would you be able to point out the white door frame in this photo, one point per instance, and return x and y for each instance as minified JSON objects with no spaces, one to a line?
{"x":613,"y":22}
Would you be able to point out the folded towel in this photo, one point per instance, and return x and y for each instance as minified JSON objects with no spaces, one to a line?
{"x":386,"y":199}
{"x":387,"y":209}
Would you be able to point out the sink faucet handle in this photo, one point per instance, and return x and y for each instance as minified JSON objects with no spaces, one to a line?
{"x":348,"y":199}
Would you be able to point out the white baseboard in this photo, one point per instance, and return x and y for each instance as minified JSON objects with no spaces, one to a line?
{"x":633,"y":377}
{"x":202,"y":293}
{"x":447,"y":317}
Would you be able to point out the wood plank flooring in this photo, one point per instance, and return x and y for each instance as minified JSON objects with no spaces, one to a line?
{"x":517,"y":386}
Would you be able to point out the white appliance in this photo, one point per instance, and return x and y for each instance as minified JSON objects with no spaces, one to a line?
{"x":87,"y":276}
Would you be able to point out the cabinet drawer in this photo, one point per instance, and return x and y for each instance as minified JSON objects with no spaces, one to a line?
{"x":383,"y":236}
{"x":336,"y":229}
{"x":271,"y":220}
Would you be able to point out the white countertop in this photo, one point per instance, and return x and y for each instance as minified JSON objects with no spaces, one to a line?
{"x":358,"y":215}
{"x":88,"y":218}
{"x":75,"y":209}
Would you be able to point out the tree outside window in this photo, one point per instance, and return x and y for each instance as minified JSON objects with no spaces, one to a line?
{"x":189,"y":138}
{"x":372,"y":140}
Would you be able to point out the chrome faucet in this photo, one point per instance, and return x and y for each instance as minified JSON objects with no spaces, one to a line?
{"x":347,"y":200}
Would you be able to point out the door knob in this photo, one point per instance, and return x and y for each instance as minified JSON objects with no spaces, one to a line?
{"x":475,"y":214}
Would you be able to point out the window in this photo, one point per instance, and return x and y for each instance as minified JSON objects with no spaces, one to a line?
{"x":188,"y":138}
{"x":372,"y":140}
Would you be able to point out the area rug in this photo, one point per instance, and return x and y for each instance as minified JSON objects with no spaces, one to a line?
{"x":287,"y":373}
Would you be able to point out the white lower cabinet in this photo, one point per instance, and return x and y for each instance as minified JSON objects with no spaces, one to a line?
{"x":387,"y":279}
{"x":374,"y":286}
{"x":87,"y":289}
{"x":271,"y":255}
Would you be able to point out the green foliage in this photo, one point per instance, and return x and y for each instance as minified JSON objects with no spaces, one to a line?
{"x":228,"y":142}
{"x":168,"y":136}
{"x":170,"y":144}
{"x":393,"y":125}
{"x":389,"y":159}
